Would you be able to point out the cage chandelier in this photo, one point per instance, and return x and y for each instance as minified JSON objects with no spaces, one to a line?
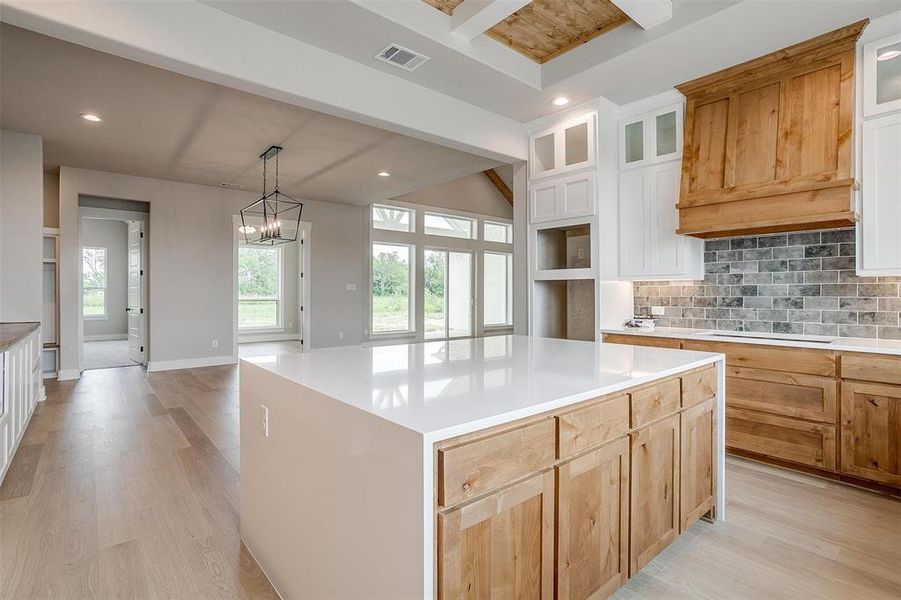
{"x":275,"y":218}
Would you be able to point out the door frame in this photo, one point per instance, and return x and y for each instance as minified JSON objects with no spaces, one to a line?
{"x":473,"y":256}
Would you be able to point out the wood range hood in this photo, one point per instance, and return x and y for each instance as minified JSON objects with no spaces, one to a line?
{"x":768,"y":143}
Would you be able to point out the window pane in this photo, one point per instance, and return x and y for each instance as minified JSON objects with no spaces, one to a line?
{"x":435,"y":276}
{"x":257,"y":313}
{"x":888,"y":73}
{"x":93,"y":267}
{"x":544,"y":153}
{"x":390,"y":288}
{"x":94,"y":303}
{"x":459,"y":294}
{"x":259,"y":282}
{"x":576,"y":141}
{"x":634,"y":141}
{"x":498,"y":232}
{"x":666,"y":133}
{"x":498,"y":289}
{"x":448,"y":226}
{"x":391,"y":218}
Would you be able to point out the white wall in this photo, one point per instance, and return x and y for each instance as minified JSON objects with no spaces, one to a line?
{"x":191,"y":266}
{"x":112,"y":235}
{"x":21,"y":222}
{"x":473,"y":193}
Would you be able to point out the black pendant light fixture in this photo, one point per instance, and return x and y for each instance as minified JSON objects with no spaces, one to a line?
{"x":275,"y":218}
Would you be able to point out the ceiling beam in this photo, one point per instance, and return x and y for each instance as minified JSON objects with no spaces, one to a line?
{"x":473,"y":17}
{"x":647,"y":13}
{"x":499,"y":183}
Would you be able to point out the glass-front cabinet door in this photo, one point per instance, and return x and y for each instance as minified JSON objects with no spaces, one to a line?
{"x":882,"y":75}
{"x":651,"y":137}
{"x":564,"y":147}
{"x":633,"y":142}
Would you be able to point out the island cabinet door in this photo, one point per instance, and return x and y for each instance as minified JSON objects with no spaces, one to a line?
{"x":501,"y":546}
{"x":655,"y":490}
{"x":593,"y":523}
{"x":696,"y":471}
{"x":871,"y":431}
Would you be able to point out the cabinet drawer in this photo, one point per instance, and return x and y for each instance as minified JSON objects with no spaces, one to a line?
{"x":473,"y":467}
{"x":698,"y":386}
{"x":655,"y":402}
{"x":774,"y":358}
{"x":784,"y":438}
{"x":642,"y":340}
{"x":871,"y":367}
{"x":776,"y":392}
{"x":592,"y":425}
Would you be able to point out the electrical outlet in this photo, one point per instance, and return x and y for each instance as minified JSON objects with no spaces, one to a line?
{"x":351,"y":287}
{"x":581,"y":253}
{"x":340,"y":335}
{"x":290,"y":324}
{"x":657,"y":311}
{"x":264,"y":420}
{"x":215,"y":343}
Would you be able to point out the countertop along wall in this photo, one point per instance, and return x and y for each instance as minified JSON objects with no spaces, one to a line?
{"x":191,"y":266}
{"x":794,"y":283}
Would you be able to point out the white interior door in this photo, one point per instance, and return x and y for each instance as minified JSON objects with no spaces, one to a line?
{"x":135,"y":307}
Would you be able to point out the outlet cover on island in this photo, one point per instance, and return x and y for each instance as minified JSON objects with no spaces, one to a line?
{"x":215,"y":343}
{"x":657,"y":311}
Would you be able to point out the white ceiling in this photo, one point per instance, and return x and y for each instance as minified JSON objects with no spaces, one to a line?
{"x":163,"y":125}
{"x":623,"y":65}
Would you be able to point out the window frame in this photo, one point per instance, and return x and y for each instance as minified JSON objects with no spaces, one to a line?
{"x":409,"y":211}
{"x":505,"y":224}
{"x":411,"y":290}
{"x":105,"y":288}
{"x":280,"y":296}
{"x":473,"y":226}
{"x":509,"y":308}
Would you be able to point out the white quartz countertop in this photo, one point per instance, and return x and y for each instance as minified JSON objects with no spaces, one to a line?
{"x":444,"y":389}
{"x":797,"y":341}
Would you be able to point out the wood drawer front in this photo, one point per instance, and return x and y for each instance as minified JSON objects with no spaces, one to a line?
{"x":698,"y":386}
{"x":774,"y":358}
{"x":779,"y":393}
{"x":478,"y":466}
{"x":788,"y":439}
{"x":642,"y":340}
{"x":871,"y":431}
{"x":655,"y":401}
{"x":592,"y":425}
{"x":871,"y":367}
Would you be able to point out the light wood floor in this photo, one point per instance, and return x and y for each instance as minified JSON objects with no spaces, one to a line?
{"x":126,"y":486}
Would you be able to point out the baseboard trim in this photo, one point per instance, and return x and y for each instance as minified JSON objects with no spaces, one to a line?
{"x":190,"y":363}
{"x":106,"y":337}
{"x":66,"y":374}
{"x":267,"y":337}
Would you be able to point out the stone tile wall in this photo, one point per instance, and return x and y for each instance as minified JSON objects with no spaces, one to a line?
{"x":801,"y":283}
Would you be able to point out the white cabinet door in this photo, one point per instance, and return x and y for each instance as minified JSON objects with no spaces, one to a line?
{"x":651,"y":137}
{"x":565,"y":147}
{"x":879,"y":243}
{"x":562,"y":197}
{"x":634,"y":209}
{"x":668,"y":248}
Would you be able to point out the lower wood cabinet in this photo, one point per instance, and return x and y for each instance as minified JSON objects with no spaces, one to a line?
{"x":809,"y":397}
{"x":696,"y":470}
{"x":783,"y":438}
{"x":871,"y":431}
{"x":655,"y":487}
{"x":501,"y":546}
{"x":593,"y":522}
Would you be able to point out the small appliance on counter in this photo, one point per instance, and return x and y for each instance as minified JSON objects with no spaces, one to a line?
{"x":645,"y":322}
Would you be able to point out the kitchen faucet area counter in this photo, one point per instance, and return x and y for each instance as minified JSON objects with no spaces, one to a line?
{"x":372,"y":471}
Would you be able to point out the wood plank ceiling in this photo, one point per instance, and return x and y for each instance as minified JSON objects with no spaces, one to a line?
{"x":545,"y":29}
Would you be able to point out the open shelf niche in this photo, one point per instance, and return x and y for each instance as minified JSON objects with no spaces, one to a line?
{"x":565,"y":309}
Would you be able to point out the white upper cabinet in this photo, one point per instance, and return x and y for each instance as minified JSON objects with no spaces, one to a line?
{"x":651,"y":137}
{"x":879,"y":242}
{"x":565,"y":147}
{"x":650,"y":248}
{"x":562,"y":197}
{"x":882,"y":76}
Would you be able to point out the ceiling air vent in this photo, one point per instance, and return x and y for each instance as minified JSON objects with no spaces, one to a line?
{"x":232,"y":186}
{"x":401,"y":57}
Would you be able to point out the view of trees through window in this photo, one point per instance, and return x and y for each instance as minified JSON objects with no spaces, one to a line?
{"x":259,"y":283}
{"x":93,"y":284}
{"x":390,"y":288}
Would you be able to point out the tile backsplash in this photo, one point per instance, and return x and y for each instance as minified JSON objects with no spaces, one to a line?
{"x":802,"y":283}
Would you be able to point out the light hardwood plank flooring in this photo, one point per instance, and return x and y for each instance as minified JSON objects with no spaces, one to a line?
{"x":126,"y":486}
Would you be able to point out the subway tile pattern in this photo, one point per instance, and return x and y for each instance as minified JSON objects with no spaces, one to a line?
{"x":798,"y":283}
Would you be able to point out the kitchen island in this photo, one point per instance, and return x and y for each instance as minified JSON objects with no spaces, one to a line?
{"x":429,"y":470}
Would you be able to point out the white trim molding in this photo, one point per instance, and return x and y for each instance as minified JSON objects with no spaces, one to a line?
{"x":106,"y":337}
{"x":190,"y":363}
{"x":268,"y":337}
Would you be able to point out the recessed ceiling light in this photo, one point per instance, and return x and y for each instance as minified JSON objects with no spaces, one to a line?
{"x":384,"y":174}
{"x":91,"y":117}
{"x":888,"y":55}
{"x":560,"y":101}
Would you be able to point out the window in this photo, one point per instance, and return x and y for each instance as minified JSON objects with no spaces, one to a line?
{"x":448,"y":294}
{"x":259,"y":287}
{"x":449,"y":226}
{"x":390,"y":218}
{"x":498,"y":232}
{"x":391,"y":288}
{"x":93,"y":282}
{"x":498,"y":289}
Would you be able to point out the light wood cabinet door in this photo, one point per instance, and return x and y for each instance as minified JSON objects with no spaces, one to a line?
{"x":654,"y":505}
{"x":501,"y":546}
{"x":871,"y":431}
{"x":784,"y":438}
{"x":593,"y":522}
{"x":777,"y":392}
{"x":696,"y":471}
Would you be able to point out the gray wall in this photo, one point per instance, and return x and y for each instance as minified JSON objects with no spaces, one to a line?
{"x":798,"y":283}
{"x":192,"y":269}
{"x":112,"y":235}
{"x":473,"y":193}
{"x":21,"y":219}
